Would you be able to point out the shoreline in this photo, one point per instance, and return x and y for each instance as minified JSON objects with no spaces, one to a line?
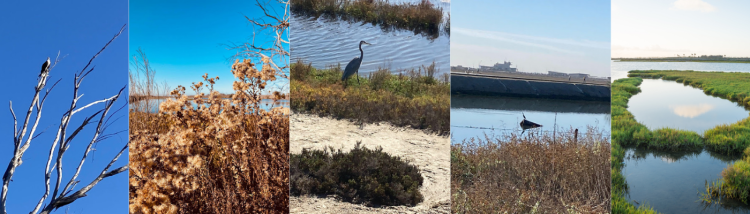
{"x":429,"y":152}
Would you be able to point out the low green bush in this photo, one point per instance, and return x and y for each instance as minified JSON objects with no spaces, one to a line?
{"x":362,"y":175}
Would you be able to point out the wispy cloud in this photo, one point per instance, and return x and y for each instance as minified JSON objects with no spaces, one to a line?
{"x":552,"y":44}
{"x":693,"y":5}
{"x":691,"y":111}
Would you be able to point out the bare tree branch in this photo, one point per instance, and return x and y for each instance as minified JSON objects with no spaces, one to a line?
{"x":21,"y":144}
{"x":277,"y":28}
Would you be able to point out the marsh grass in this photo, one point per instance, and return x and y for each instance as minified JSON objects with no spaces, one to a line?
{"x":422,"y":17}
{"x":533,"y":173}
{"x":685,"y":60}
{"x":362,"y":175}
{"x":626,"y":131}
{"x":229,"y":156}
{"x":734,"y":184}
{"x":734,"y":86}
{"x":415,"y":98}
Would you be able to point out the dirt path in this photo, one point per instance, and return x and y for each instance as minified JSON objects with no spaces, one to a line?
{"x":430,"y":152}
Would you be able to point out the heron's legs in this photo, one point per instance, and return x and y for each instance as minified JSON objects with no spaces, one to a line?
{"x":358,"y":77}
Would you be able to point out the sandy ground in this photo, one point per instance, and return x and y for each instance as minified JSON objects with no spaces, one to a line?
{"x":430,"y":152}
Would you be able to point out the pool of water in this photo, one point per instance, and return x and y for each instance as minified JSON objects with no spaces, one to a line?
{"x":266,"y":104}
{"x":475,"y":116}
{"x":620,"y":69}
{"x":664,"y":103}
{"x":671,"y":182}
{"x":324,"y":42}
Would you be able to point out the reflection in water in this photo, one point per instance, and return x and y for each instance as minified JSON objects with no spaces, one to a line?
{"x":475,"y":116}
{"x":620,"y":69}
{"x":670,"y":104}
{"x":691,"y":111}
{"x":670,"y":182}
{"x":324,"y":43}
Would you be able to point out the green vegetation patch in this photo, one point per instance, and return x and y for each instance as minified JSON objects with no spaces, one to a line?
{"x":422,"y":17}
{"x":684,"y":60}
{"x":729,"y":138}
{"x":361,"y":175}
{"x":414,"y":98}
{"x":734,"y":184}
{"x":734,"y":86}
{"x":626,"y":131}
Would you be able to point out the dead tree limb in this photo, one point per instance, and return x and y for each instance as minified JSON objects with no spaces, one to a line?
{"x":62,"y":197}
{"x":274,"y":24}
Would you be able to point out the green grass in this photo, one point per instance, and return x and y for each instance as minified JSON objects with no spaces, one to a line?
{"x":628,"y":132}
{"x":734,"y":184}
{"x":729,"y":138}
{"x":734,"y":86}
{"x":723,"y":139}
{"x":414,"y":98}
{"x":683,"y":60}
{"x":421,"y":17}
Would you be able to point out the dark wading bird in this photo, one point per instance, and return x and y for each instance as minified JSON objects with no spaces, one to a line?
{"x":353,"y":66}
{"x":525,"y":124}
{"x":45,"y":68}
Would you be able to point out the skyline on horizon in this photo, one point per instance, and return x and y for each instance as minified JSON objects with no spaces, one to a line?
{"x":552,"y":36}
{"x":642,"y":28}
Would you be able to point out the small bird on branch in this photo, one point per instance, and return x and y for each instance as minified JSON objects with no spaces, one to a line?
{"x":45,"y":68}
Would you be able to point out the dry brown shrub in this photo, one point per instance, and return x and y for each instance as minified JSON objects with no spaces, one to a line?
{"x":224,"y":156}
{"x":532,"y":173}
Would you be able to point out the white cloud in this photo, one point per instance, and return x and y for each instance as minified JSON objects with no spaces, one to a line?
{"x":552,"y":44}
{"x":693,"y":5}
{"x":691,"y":111}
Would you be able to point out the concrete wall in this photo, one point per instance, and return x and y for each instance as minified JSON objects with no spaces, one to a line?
{"x":471,"y":84}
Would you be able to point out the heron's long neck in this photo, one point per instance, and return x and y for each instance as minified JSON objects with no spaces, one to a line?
{"x":361,"y":53}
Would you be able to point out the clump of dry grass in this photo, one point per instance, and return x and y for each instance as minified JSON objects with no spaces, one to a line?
{"x":533,"y":173}
{"x":414,"y":98}
{"x":421,"y":17}
{"x":225,"y":156}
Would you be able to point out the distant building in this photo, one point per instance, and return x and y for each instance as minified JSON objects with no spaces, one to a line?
{"x":459,"y":68}
{"x":557,"y":74}
{"x":578,"y":75}
{"x":712,"y":56}
{"x":504,"y":67}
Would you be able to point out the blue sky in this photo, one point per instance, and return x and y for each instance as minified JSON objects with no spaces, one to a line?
{"x":644,"y":28}
{"x":31,"y":31}
{"x":186,"y":39}
{"x":536,"y":36}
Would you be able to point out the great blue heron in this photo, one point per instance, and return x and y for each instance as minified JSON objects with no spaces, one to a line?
{"x":525,"y":124}
{"x":353,"y":66}
{"x":45,"y":68}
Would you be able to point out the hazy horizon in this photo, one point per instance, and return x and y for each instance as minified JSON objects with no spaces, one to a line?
{"x":570,"y":37}
{"x":642,"y":28}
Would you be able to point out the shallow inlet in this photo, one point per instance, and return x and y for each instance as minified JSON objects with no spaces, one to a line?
{"x":664,"y":103}
{"x":620,"y":69}
{"x":323,"y":43}
{"x":475,"y":116}
{"x":671,"y":182}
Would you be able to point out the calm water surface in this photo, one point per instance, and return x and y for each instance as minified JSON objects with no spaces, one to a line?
{"x":671,"y":182}
{"x":475,"y":116}
{"x":620,"y":69}
{"x":664,"y":103}
{"x":323,"y":42}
